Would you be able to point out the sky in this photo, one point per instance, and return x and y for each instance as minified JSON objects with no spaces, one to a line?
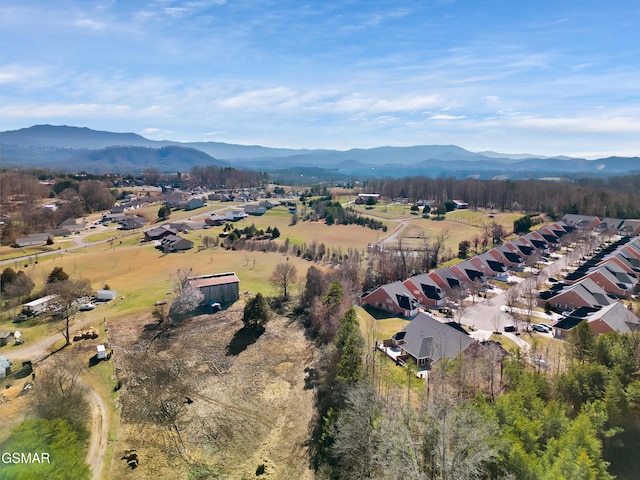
{"x":548,"y":77}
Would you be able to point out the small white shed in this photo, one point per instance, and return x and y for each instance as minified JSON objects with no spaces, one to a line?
{"x":101,"y":352}
{"x":106,"y":295}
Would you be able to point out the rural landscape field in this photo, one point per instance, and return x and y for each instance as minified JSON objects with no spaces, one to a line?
{"x":324,"y":240}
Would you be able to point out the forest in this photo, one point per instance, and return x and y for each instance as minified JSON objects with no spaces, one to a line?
{"x":478,"y":416}
{"x":617,"y":197}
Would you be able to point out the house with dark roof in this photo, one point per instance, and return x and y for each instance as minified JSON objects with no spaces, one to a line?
{"x":158,"y":233}
{"x":581,"y":222}
{"x":523,"y":247}
{"x":508,"y":257}
{"x":131,"y":222}
{"x":611,"y":278}
{"x":426,"y":290}
{"x":582,"y":294}
{"x":538,"y":242}
{"x":446,"y":279}
{"x":428,"y":340}
{"x":468,"y":272}
{"x":615,"y":317}
{"x":175,"y":243}
{"x":489,"y":266}
{"x":630,"y":228}
{"x":215,"y":220}
{"x":392,"y":298}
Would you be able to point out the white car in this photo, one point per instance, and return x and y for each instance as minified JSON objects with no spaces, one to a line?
{"x":85,"y":307}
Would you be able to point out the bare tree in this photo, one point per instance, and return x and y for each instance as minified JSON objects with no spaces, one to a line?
{"x":188,"y":300}
{"x":284,"y":276}
{"x":438,"y":245}
{"x":60,"y":393}
{"x":68,"y":293}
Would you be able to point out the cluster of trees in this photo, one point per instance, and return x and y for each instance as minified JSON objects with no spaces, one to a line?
{"x":335,"y":213}
{"x":612,"y":197}
{"x":22,"y":194}
{"x":15,"y":285}
{"x":581,"y":423}
{"x":227,"y":177}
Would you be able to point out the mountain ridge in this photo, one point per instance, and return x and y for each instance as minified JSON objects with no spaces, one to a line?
{"x":82,"y":148}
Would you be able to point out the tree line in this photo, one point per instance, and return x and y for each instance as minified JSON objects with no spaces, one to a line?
{"x":613,"y":197}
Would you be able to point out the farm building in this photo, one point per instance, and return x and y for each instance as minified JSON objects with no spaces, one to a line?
{"x":223,"y":288}
{"x":106,"y":295}
{"x":365,"y":198}
{"x":6,"y":338}
{"x":5,"y":367}
{"x":39,"y":305}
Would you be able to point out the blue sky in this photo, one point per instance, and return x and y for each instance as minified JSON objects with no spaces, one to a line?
{"x":546,"y":76}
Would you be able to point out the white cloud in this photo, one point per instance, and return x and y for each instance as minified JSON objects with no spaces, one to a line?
{"x":447,"y":117}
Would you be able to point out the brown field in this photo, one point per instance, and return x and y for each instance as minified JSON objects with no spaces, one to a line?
{"x":248,"y":410}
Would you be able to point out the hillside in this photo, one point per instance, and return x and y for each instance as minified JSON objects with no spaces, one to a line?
{"x":73,"y":148}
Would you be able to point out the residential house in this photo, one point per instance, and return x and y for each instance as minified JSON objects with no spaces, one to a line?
{"x":175,"y":243}
{"x":538,"y":242}
{"x":468,"y":272}
{"x":581,"y":222}
{"x":131,"y":222}
{"x":446,"y":279}
{"x":630,"y":228}
{"x":428,"y":340}
{"x":72,"y":224}
{"x":610,"y":225}
{"x":223,"y":288}
{"x":508,"y":257}
{"x":393,"y":298}
{"x":523,"y":247}
{"x":367,"y":198}
{"x":270,"y":203}
{"x":615,"y":317}
{"x":550,"y":236}
{"x":254,"y":209}
{"x":118,"y":209}
{"x":32,"y":239}
{"x":158,"y":233}
{"x":215,"y":220}
{"x":193,"y":203}
{"x":489,"y":266}
{"x":426,"y":290}
{"x":611,"y":278}
{"x":235,"y":214}
{"x":460,"y":204}
{"x":586,"y":293}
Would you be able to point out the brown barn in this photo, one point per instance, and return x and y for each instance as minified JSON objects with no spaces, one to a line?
{"x":223,"y":288}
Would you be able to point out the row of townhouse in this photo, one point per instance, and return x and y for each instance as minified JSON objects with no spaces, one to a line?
{"x":434,"y":288}
{"x":612,"y":273}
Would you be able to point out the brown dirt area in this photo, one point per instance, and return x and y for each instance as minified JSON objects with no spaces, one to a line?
{"x":250,"y":412}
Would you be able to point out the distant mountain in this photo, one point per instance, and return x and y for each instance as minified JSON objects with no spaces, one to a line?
{"x":74,"y":148}
{"x":70,"y":137}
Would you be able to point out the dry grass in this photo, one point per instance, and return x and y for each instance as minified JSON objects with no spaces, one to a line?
{"x":248,"y":410}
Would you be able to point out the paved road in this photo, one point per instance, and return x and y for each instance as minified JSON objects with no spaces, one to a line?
{"x":489,"y":315}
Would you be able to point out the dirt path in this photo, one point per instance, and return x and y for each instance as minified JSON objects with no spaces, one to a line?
{"x":99,"y":433}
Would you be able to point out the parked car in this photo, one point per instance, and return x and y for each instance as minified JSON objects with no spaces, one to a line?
{"x":19,"y":341}
{"x":548,"y":327}
{"x":540,"y":328}
{"x":215,"y":307}
{"x":85,"y":307}
{"x":509,"y":328}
